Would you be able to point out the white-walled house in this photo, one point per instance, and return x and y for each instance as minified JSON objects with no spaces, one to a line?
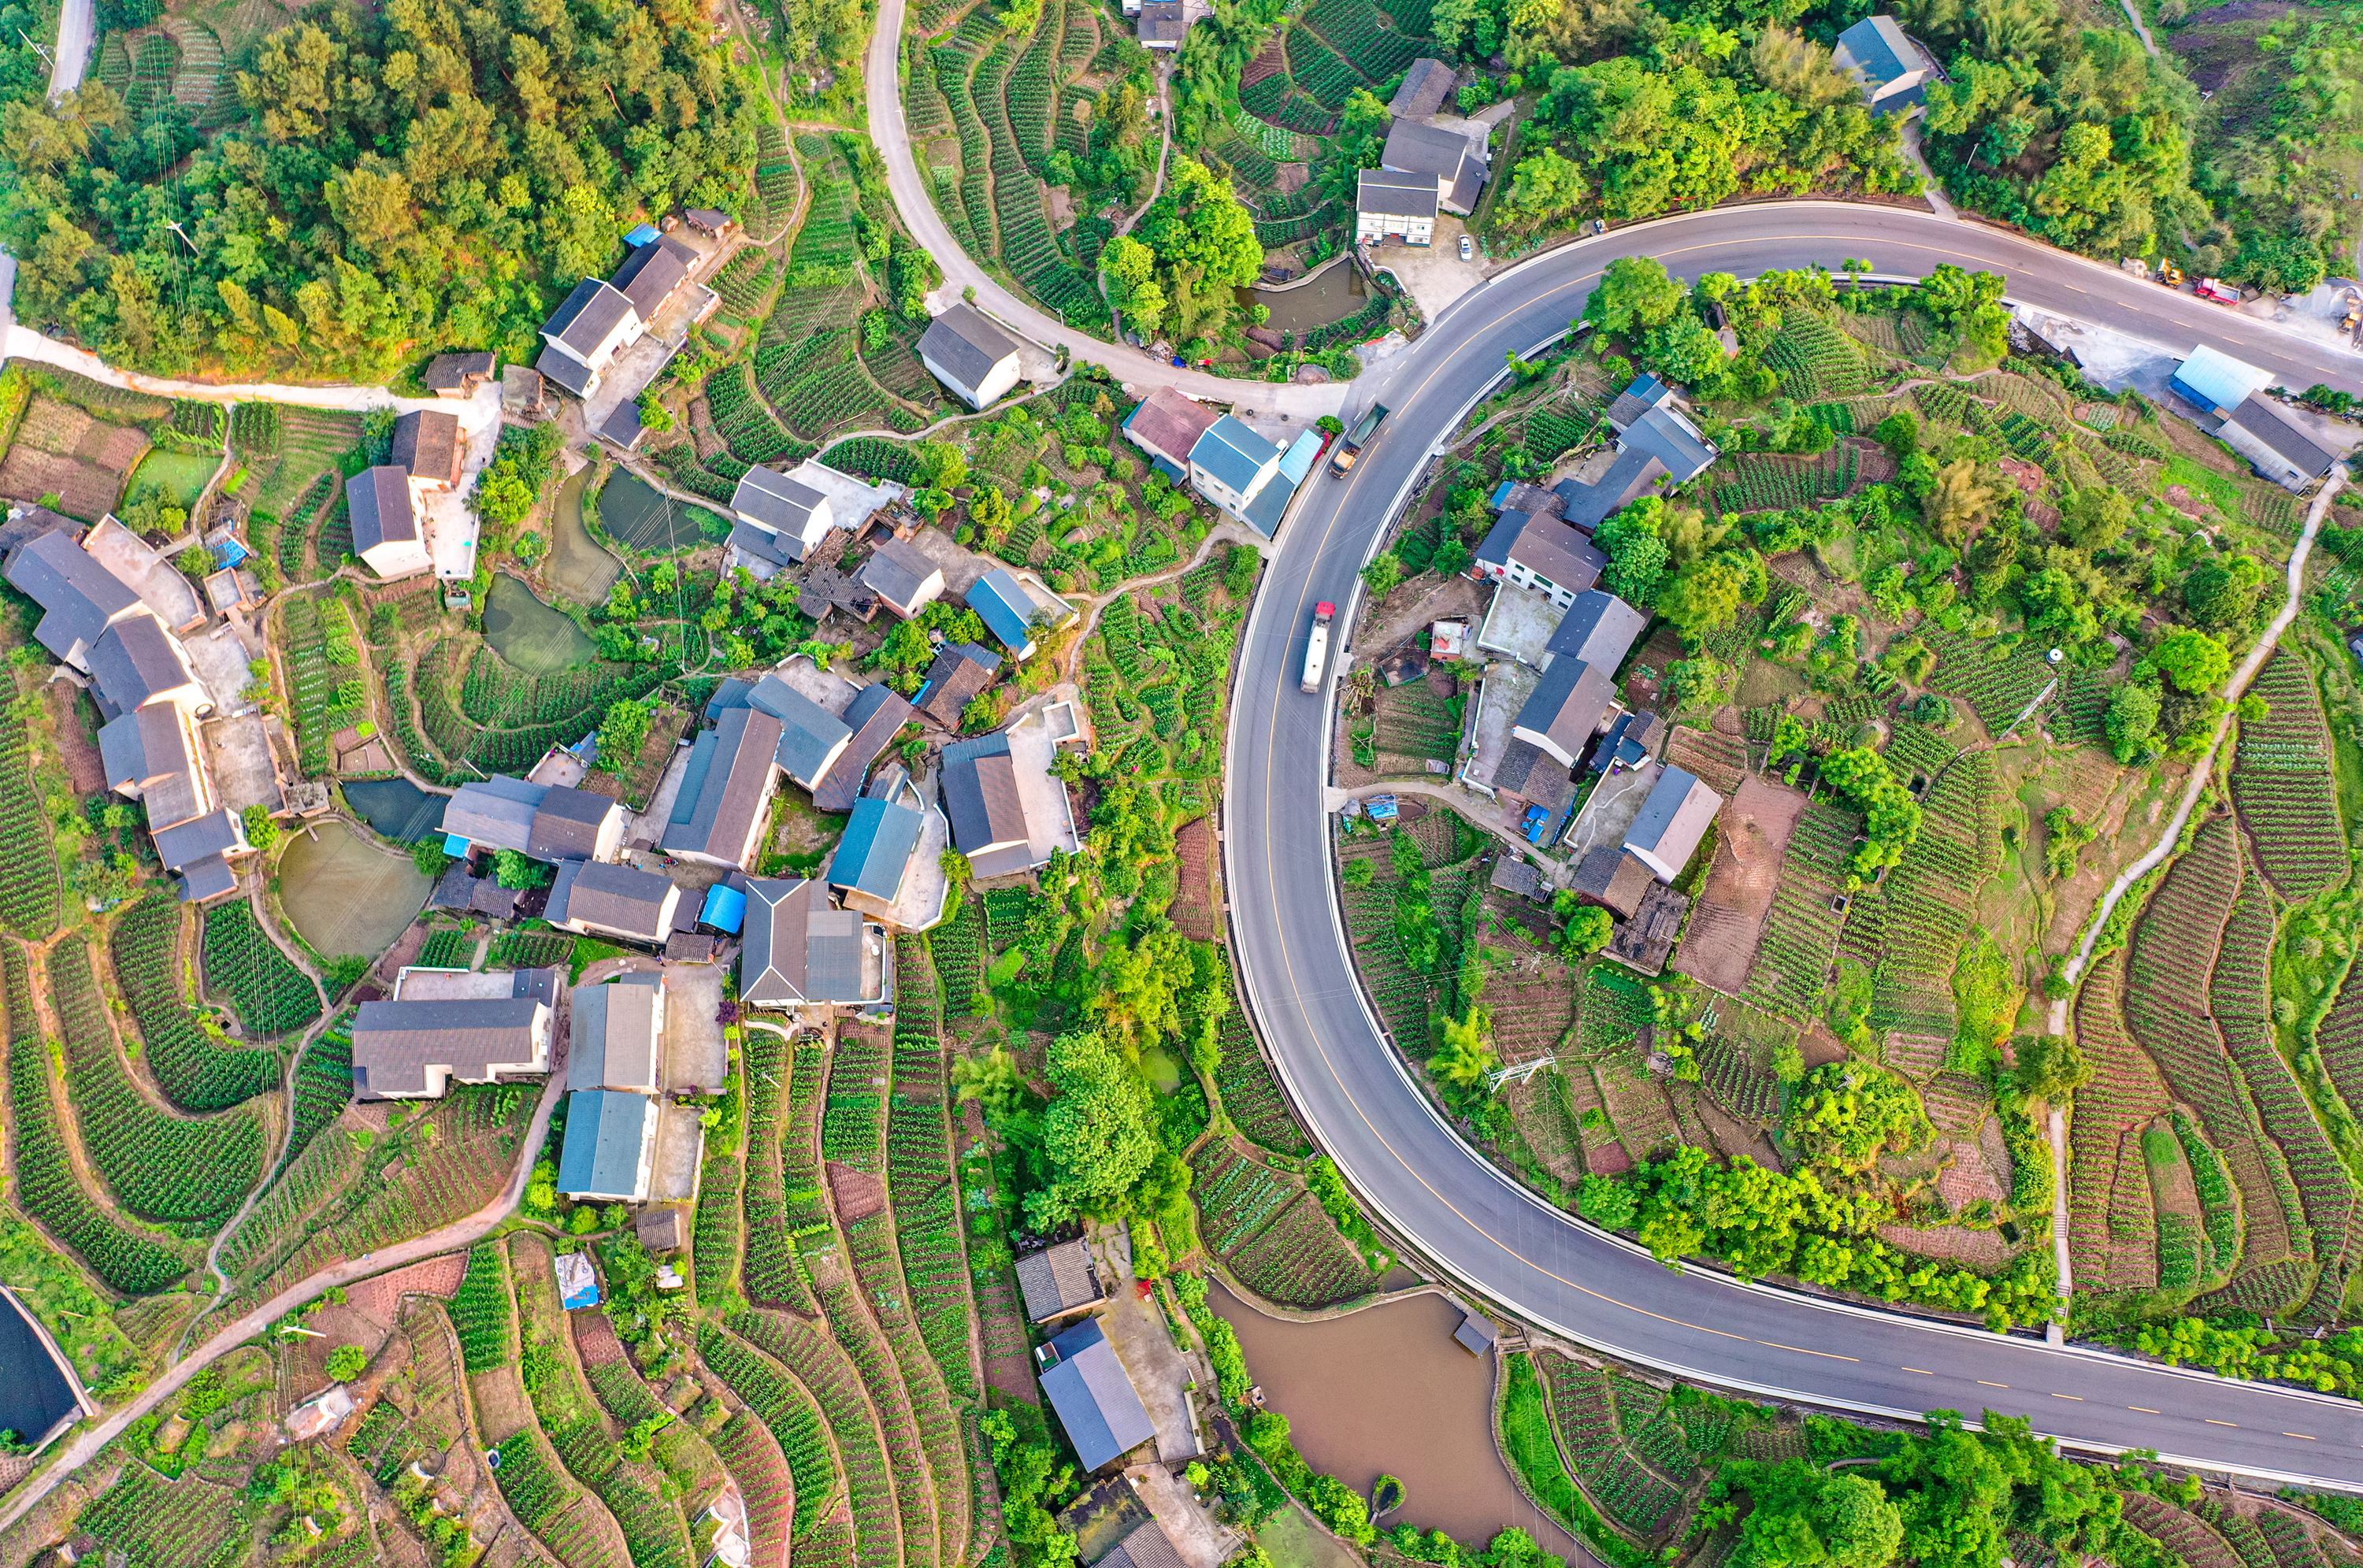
{"x":963,"y":349}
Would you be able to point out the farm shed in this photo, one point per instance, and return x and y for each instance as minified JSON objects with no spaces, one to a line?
{"x":1058,"y":1280}
{"x":1093,"y":1395}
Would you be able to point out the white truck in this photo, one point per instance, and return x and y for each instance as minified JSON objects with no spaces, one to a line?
{"x":1316,"y":647}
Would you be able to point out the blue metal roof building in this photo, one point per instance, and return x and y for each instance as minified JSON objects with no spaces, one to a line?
{"x":725,"y":909}
{"x":1008,"y":609}
{"x":876,"y":849}
{"x":1093,"y":1395}
{"x":611,"y":1140}
{"x":2216,"y":382}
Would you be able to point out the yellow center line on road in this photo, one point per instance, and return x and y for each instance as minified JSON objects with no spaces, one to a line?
{"x":1825,"y":1355}
{"x":2301,"y":1437}
{"x":1920,"y":1371}
{"x":2143,"y":1409}
{"x":1982,"y":1382}
{"x":2078,"y":1398}
{"x":2214,"y":1422}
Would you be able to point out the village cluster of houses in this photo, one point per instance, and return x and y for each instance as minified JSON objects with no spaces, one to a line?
{"x":116,"y":614}
{"x":1548,"y":713}
{"x":684,"y":878}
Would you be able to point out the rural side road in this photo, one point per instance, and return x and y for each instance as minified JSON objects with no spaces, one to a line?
{"x":76,"y":32}
{"x":1364,"y":1108}
{"x":915,"y":204}
{"x":460,"y":1234}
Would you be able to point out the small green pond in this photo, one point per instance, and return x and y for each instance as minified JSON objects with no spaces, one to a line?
{"x":579,"y":567}
{"x":532,"y":635}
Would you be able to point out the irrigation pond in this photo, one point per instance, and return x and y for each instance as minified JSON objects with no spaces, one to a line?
{"x":1387,"y":1390}
{"x":395,"y":808}
{"x":345,"y":894}
{"x":533,"y":636}
{"x":579,"y":567}
{"x":34,"y":1393}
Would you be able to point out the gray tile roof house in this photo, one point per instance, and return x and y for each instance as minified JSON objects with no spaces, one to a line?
{"x":987,"y":813}
{"x":217,"y":833}
{"x":1426,"y":87}
{"x":1145,"y":1546}
{"x":810,"y":736}
{"x":969,"y":353}
{"x":1392,"y":192}
{"x":1610,"y":876}
{"x":785,"y":515}
{"x":905,"y":578}
{"x":1667,"y":434}
{"x":208,"y":878}
{"x":456,"y":375}
{"x":1634,"y":473}
{"x":653,"y":274}
{"x":960,"y":671}
{"x":1059,"y":1279}
{"x":1516,"y":877}
{"x":1893,"y":70}
{"x":617,"y":1032}
{"x":876,"y":717}
{"x":79,"y":598}
{"x":174,"y":798}
{"x":1566,"y":706}
{"x":1546,"y":548}
{"x":378,"y":499}
{"x":617,"y":900}
{"x":427,"y":446}
{"x":150,"y":743}
{"x":589,"y":314}
{"x":414,"y":1049}
{"x":573,"y":824}
{"x":1161,"y":24}
{"x":1452,"y":160}
{"x":797,"y":948}
{"x":136,"y":661}
{"x":1673,"y":819}
{"x":875,"y":855}
{"x":728,"y":782}
{"x":1094,"y":1396}
{"x":1598,"y":628}
{"x":610,"y":1142}
{"x":495,"y":813}
{"x":2276,"y":447}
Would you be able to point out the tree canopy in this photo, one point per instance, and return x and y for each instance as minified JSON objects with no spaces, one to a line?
{"x":431,"y":173}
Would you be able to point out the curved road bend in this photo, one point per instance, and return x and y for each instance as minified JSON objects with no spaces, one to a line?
{"x":460,"y":1234}
{"x":1433,"y":1188}
{"x":915,"y":204}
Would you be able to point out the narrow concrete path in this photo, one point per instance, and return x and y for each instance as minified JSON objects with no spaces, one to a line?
{"x":2205,"y":768}
{"x":77,"y":31}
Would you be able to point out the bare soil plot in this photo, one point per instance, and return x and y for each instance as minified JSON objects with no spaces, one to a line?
{"x":1726,"y":928}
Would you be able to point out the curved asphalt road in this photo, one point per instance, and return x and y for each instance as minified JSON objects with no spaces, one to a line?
{"x":1435,"y":1191}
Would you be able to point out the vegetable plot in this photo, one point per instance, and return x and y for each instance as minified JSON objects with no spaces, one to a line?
{"x":160,"y":1167}
{"x":272,"y":996}
{"x":47,"y":1187}
{"x":196,"y":1072}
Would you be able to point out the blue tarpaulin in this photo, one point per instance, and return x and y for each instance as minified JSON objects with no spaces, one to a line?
{"x":228,"y":553}
{"x":455,"y":844}
{"x":644,"y":235}
{"x":725,"y":909}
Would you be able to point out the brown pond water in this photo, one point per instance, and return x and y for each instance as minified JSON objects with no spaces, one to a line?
{"x":1387,"y":1390}
{"x":344,"y":893}
{"x":1334,"y":293}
